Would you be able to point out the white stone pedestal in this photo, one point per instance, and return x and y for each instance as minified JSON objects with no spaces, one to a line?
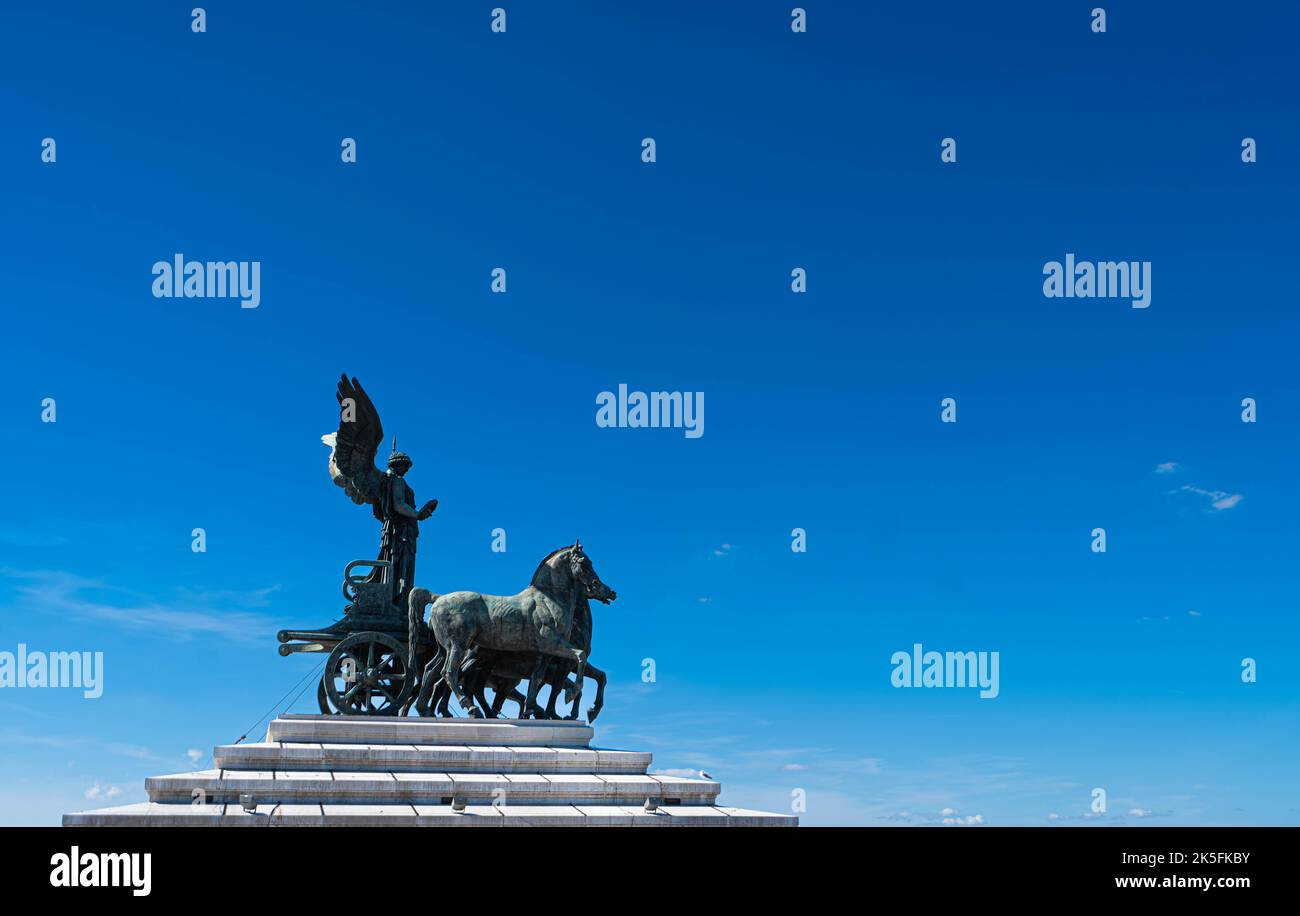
{"x":327,"y":771}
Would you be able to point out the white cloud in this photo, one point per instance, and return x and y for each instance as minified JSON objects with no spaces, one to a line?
{"x":194,"y":754}
{"x":794,"y":766}
{"x":102,"y":793}
{"x":947,"y":812}
{"x":900,"y":816}
{"x":191,"y":615}
{"x":1139,"y":812}
{"x":1219,"y":499}
{"x":970,"y":820}
{"x":1195,"y":614}
{"x":1167,"y":467}
{"x":722,"y":551}
{"x":131,"y":750}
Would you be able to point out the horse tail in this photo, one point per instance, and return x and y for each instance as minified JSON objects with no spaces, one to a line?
{"x":418,"y":600}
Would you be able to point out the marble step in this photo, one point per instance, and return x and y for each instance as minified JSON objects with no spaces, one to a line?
{"x":294,"y":756}
{"x":378,"y":788}
{"x":154,"y":814}
{"x":426,"y":731}
{"x":323,"y":771}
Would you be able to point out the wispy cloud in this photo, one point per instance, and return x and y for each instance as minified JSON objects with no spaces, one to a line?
{"x":93,"y":746}
{"x":1219,"y":499}
{"x":722,"y":550}
{"x":28,"y":538}
{"x":946,"y":817}
{"x":132,"y":750}
{"x":1166,"y":467}
{"x":191,"y":613}
{"x":824,"y":760}
{"x":102,"y":793}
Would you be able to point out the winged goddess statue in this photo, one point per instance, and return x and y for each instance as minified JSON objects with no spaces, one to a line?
{"x":390,"y":497}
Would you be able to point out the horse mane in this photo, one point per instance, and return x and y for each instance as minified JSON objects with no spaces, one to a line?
{"x":538,"y":580}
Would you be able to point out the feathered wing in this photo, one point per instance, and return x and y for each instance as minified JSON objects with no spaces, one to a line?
{"x":353,"y":447}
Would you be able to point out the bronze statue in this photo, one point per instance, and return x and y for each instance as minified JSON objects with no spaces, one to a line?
{"x":385,"y":659}
{"x":538,"y":620}
{"x":352,"y":467}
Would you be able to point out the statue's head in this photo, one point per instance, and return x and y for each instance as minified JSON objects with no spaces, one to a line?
{"x":585,"y":575}
{"x":399,"y":463}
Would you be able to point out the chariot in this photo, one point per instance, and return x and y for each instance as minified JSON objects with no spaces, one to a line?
{"x":366,"y":672}
{"x":379,"y":649}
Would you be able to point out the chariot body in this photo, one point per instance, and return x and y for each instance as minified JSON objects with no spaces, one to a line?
{"x":367,"y":671}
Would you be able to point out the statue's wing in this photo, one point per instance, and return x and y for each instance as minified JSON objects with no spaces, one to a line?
{"x":353,"y":447}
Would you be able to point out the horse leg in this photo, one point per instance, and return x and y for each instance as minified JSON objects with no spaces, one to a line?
{"x":502,"y":691}
{"x":426,"y":688}
{"x":560,"y":652}
{"x":433,"y":690}
{"x":552,"y":679}
{"x":514,"y":696}
{"x":480,"y":694}
{"x":599,"y":677}
{"x":534,"y":684}
{"x":479,"y":676}
{"x":571,"y":695}
{"x":451,"y":675}
{"x":578,"y":676}
{"x":427,"y":681}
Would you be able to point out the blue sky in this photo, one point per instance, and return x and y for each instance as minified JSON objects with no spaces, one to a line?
{"x":1118,"y":670}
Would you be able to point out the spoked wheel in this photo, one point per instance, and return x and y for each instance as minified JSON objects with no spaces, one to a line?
{"x":323,"y":700}
{"x":366,"y":675}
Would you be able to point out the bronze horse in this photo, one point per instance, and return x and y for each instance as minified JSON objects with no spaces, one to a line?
{"x":538,"y":622}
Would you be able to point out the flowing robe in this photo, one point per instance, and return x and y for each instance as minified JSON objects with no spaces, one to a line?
{"x":396,"y":509}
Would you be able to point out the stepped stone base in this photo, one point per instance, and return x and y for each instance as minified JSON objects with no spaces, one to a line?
{"x":327,"y":771}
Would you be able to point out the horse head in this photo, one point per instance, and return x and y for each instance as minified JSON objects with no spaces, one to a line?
{"x":571,"y":566}
{"x":585,"y":575}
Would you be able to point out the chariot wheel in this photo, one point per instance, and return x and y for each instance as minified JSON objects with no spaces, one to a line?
{"x":366,"y":675}
{"x":323,"y":700}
